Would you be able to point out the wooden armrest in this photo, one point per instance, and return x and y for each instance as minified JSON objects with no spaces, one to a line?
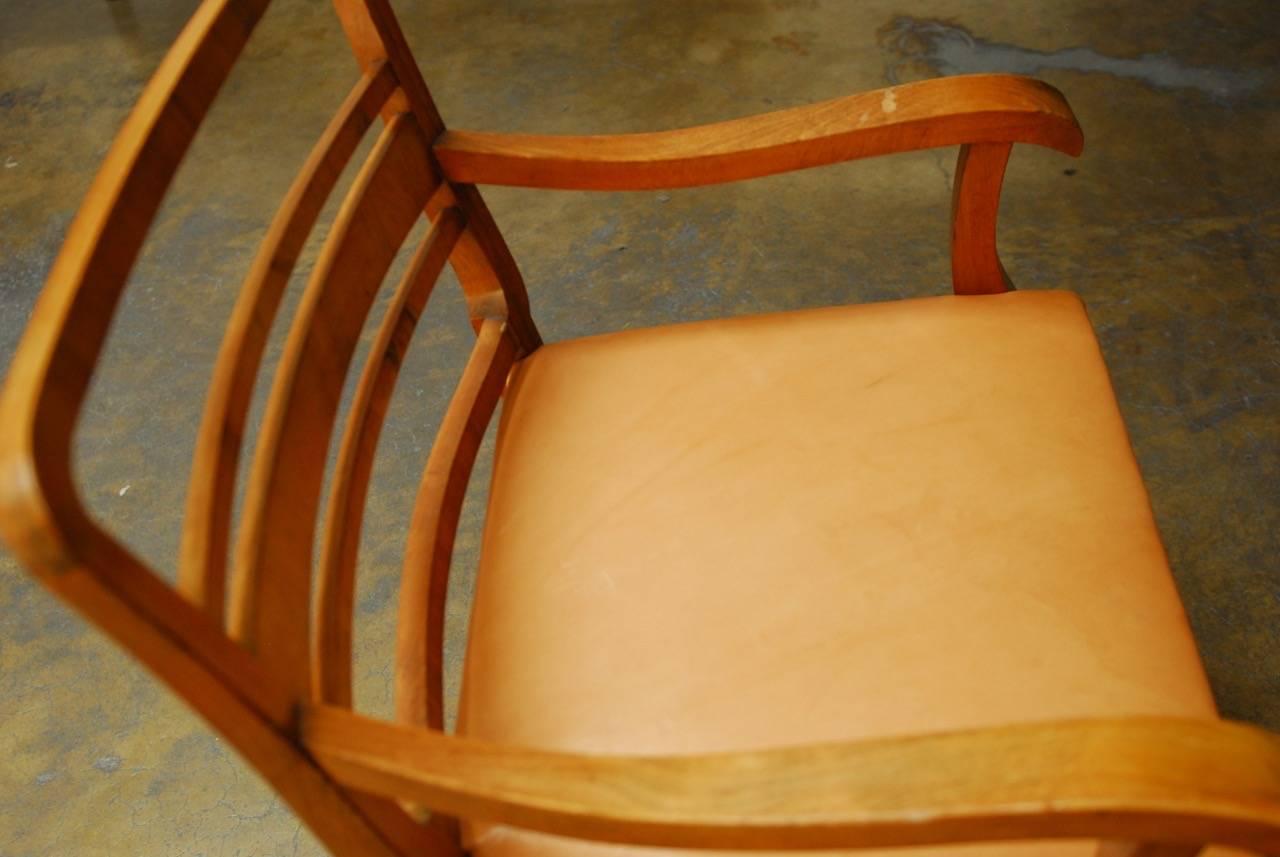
{"x":985,"y":108}
{"x":1142,"y":779}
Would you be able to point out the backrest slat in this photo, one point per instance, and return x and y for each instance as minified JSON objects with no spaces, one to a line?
{"x":485,"y":267}
{"x":331,"y":647}
{"x":41,"y":512}
{"x":270,"y":599}
{"x":375,"y":36}
{"x":425,"y":579}
{"x":249,"y":693}
{"x":203,"y":557}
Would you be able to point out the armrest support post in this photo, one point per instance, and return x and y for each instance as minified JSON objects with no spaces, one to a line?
{"x":975,"y":202}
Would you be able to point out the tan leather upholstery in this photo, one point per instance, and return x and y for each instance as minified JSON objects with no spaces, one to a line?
{"x":834,"y":524}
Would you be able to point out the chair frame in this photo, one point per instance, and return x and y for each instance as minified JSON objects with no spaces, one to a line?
{"x":269,"y":666}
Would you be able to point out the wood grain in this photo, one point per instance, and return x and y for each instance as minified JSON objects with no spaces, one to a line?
{"x":1149,"y":779}
{"x":206,"y":532}
{"x":1148,"y":849}
{"x":330,"y":813}
{"x":485,"y":267}
{"x":331,"y":648}
{"x":53,"y":364}
{"x":975,"y":203}
{"x":41,"y":514}
{"x":375,"y":37}
{"x":989,"y":108}
{"x":419,"y":694}
{"x":1148,"y":787}
{"x":271,"y":596}
{"x":490,"y":278}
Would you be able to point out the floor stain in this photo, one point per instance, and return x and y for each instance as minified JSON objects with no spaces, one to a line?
{"x":951,"y":49}
{"x":108,"y":764}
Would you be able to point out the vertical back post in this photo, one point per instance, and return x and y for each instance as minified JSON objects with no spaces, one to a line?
{"x":485,"y":267}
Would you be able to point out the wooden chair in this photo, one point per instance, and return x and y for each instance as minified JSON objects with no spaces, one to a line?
{"x":864,"y":577}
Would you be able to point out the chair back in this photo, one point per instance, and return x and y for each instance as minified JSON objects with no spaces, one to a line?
{"x":243,"y":636}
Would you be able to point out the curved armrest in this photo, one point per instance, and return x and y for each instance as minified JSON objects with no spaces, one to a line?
{"x":985,"y":108}
{"x":1141,"y":779}
{"x":985,"y":114}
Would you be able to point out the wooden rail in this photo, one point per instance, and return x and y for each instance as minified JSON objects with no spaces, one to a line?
{"x":951,"y":111}
{"x":205,"y":536}
{"x":983,"y":114}
{"x":271,"y":596}
{"x":1149,"y":787}
{"x":331,"y":648}
{"x":485,"y":267}
{"x":42,"y":517}
{"x":424,"y":582}
{"x":1156,"y":780}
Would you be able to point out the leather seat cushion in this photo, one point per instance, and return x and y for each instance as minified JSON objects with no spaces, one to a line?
{"x":821,"y":525}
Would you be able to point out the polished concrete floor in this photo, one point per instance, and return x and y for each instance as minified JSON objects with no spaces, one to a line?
{"x":1168,"y":226}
